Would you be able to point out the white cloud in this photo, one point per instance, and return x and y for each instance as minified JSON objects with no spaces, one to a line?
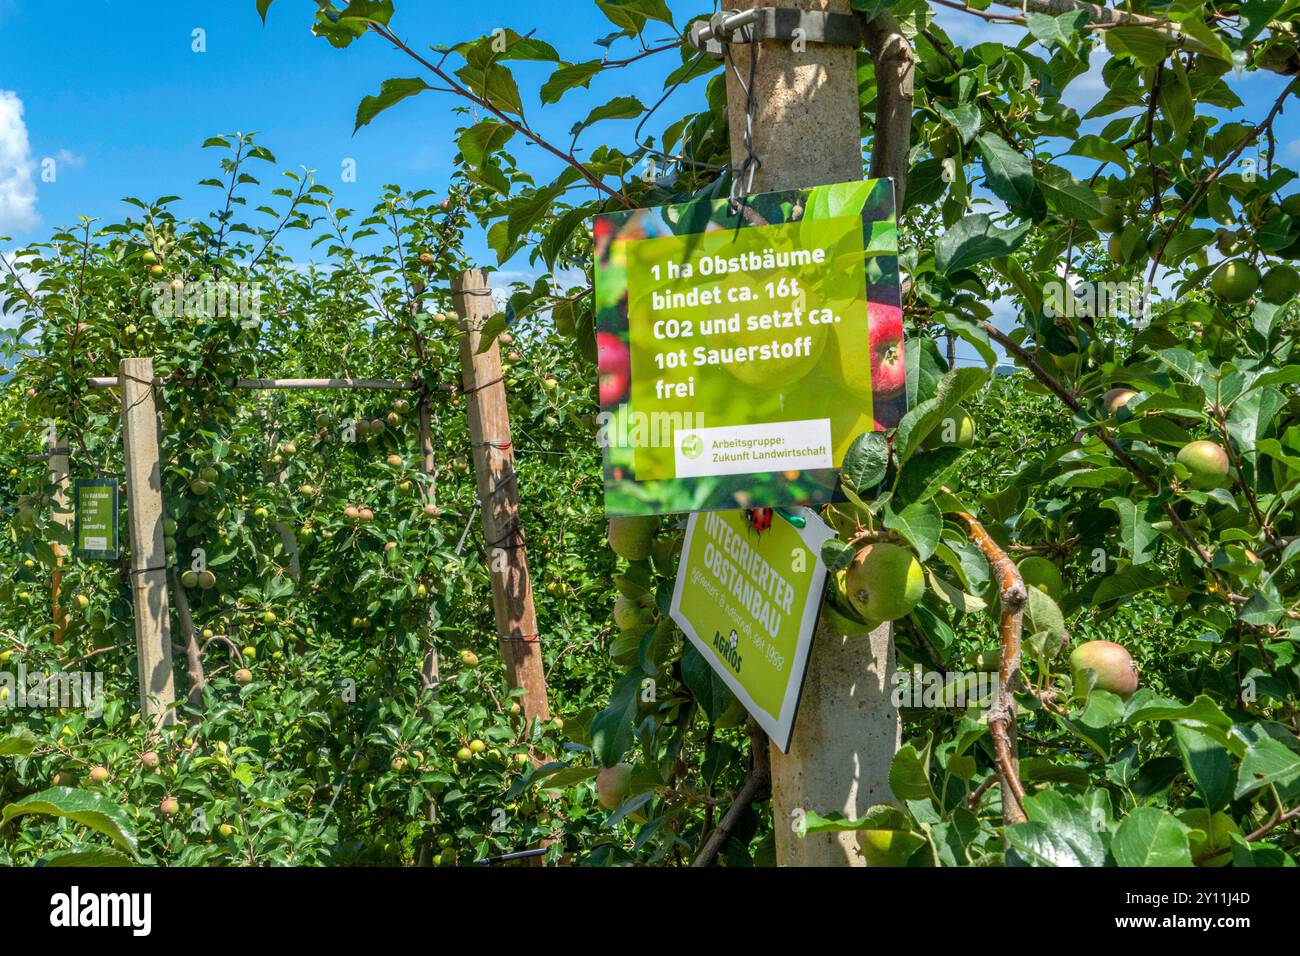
{"x":17,"y":168}
{"x":66,"y":157}
{"x":1293,"y":149}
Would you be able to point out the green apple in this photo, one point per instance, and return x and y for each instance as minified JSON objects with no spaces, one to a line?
{"x":884,"y":582}
{"x":1235,"y":281}
{"x":957,"y":429}
{"x":1207,"y":462}
{"x":1279,"y":284}
{"x":632,"y":538}
{"x":1110,"y":662}
{"x":613,"y":784}
{"x":1039,"y":572}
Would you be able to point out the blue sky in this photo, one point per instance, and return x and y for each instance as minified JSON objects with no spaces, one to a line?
{"x":122,"y":102}
{"x":125,"y":101}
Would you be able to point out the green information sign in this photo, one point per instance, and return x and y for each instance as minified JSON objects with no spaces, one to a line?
{"x":749,"y":601}
{"x":741,"y":350}
{"x":96,"y":508}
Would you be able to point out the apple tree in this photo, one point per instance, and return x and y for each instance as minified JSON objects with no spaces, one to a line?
{"x":1089,"y":197}
{"x":340,"y":696}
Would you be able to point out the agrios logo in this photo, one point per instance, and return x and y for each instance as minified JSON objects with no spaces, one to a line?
{"x":726,"y":648}
{"x":76,"y":909}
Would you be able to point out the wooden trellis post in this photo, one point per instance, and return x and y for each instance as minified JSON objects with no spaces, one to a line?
{"x":148,"y":565}
{"x":498,"y":491}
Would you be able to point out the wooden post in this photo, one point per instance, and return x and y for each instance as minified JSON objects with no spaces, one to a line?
{"x":148,"y":565}
{"x":61,"y":512}
{"x":847,"y":730}
{"x":498,"y":491}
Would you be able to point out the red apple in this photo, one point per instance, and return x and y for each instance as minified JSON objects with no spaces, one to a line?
{"x":614,"y":366}
{"x":888,"y":370}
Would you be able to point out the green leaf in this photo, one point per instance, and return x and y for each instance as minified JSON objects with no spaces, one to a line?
{"x":836,"y":554}
{"x":1204,"y":712}
{"x":482,"y":140}
{"x":1095,"y":147}
{"x":909,"y":774}
{"x":371,"y":11}
{"x":621,"y":107}
{"x":566,"y":777}
{"x":390,"y":91}
{"x":492,"y":328}
{"x":262,"y":7}
{"x":865,"y":462}
{"x":566,"y":77}
{"x":1056,"y":31}
{"x":924,"y":474}
{"x":1010,"y":176}
{"x":1124,"y":584}
{"x":1208,"y":763}
{"x":1267,"y":761}
{"x":91,"y":858}
{"x":495,"y":84}
{"x":1072,"y":823}
{"x":965,"y":118}
{"x":19,"y":744}
{"x":921,"y":523}
{"x":880,"y":817}
{"x":1135,"y":531}
{"x":1251,"y":415}
{"x":708,"y":689}
{"x":1143,"y":44}
{"x":1151,"y":837}
{"x":920,"y":421}
{"x":1176,"y":100}
{"x":88,"y":809}
{"x":974,"y":239}
{"x":1067,"y":198}
{"x":1042,"y":614}
{"x":631,"y":15}
{"x":611,"y":729}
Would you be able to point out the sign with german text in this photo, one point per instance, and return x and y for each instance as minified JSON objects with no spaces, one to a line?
{"x":95,"y":505}
{"x":742,"y":348}
{"x":748,"y":601}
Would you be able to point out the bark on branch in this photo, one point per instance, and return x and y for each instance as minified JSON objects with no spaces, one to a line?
{"x":1002,"y":715}
{"x":755,"y":787}
{"x":895,"y":66}
{"x":193,"y":653}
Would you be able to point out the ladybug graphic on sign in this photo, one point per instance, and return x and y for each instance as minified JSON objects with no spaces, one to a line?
{"x":760,"y":519}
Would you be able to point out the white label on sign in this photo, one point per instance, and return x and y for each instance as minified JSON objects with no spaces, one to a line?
{"x":746,"y":449}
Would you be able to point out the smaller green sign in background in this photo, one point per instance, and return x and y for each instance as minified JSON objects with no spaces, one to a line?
{"x":96,"y":507}
{"x":749,"y":601}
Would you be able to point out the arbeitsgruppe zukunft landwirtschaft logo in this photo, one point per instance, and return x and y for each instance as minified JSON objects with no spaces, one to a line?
{"x":39,"y":690}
